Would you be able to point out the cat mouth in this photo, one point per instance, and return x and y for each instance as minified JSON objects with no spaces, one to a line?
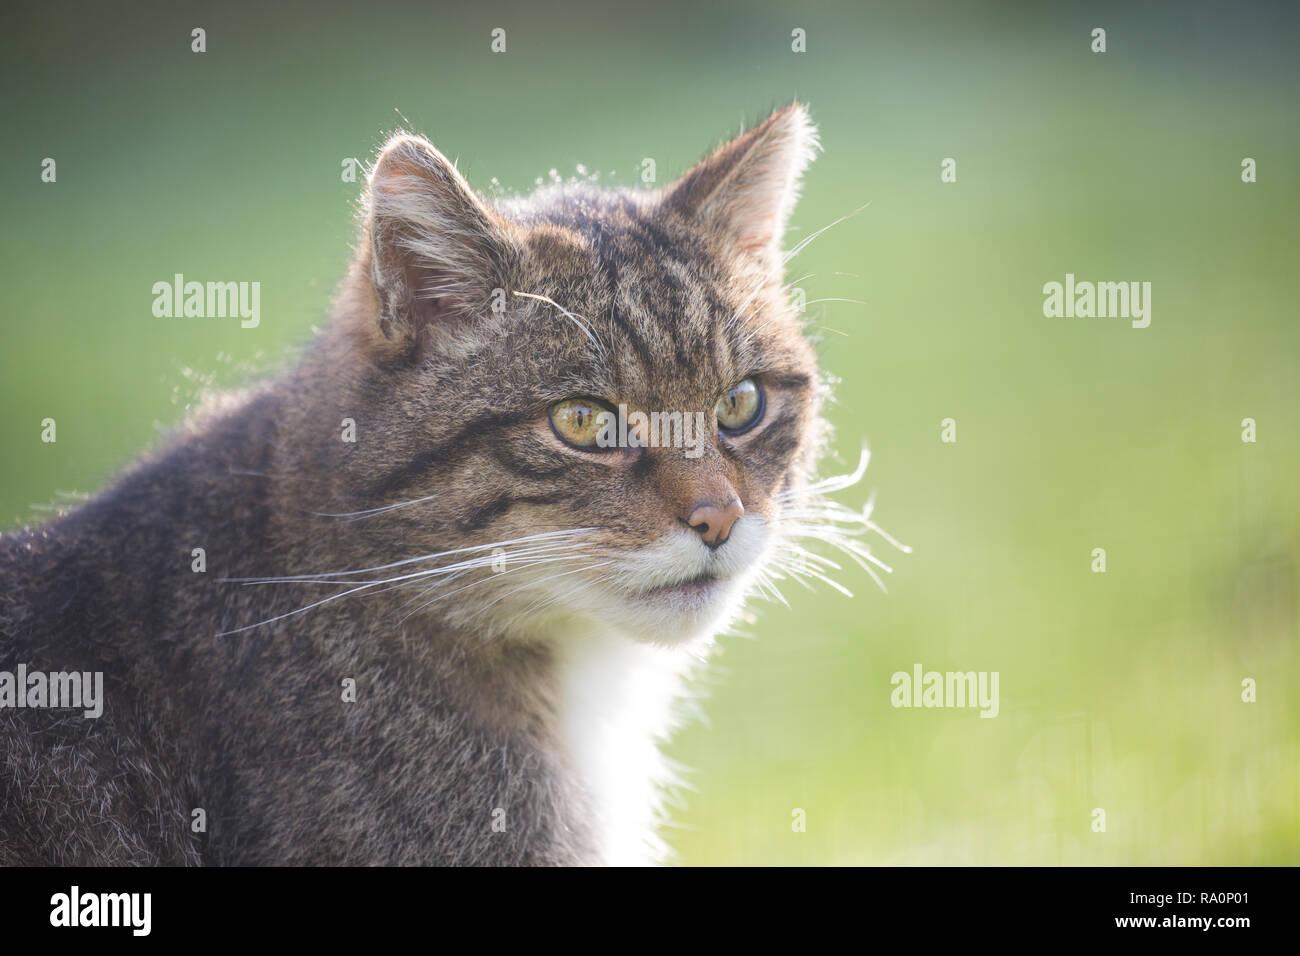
{"x":699,"y":585}
{"x":701,"y":582}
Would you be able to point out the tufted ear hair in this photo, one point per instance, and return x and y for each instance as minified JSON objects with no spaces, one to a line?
{"x":742,"y":195}
{"x":436,"y":250}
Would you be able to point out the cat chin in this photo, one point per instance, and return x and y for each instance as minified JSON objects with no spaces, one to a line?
{"x":680,"y":619}
{"x":679,"y":612}
{"x":667,"y":620}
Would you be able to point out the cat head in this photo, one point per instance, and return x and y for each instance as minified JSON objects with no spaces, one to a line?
{"x":586,"y":403}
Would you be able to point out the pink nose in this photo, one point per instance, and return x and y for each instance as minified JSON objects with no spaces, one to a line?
{"x":714,"y":523}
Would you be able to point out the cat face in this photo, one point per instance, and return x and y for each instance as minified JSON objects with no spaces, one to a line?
{"x":602,"y":402}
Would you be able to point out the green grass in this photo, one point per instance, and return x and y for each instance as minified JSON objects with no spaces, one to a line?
{"x":1118,"y":690}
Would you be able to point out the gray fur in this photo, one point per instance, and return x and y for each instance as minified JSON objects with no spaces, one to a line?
{"x":454,"y":719}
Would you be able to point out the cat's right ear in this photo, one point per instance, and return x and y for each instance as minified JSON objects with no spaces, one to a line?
{"x":436,"y":250}
{"x":741,"y":196}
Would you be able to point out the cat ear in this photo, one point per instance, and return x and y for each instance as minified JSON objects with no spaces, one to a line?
{"x":742,"y":195}
{"x":436,"y":250}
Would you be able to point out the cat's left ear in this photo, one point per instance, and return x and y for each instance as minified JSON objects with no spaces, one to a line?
{"x":742,"y":195}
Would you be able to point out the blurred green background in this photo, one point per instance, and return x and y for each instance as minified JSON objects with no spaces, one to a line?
{"x":1119,"y":690}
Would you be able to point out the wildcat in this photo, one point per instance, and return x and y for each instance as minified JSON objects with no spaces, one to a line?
{"x":456,"y":638}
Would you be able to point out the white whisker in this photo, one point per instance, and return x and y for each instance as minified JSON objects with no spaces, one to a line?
{"x":581,"y":323}
{"x":803,"y":243}
{"x":373,"y":511}
{"x":439,"y":597}
{"x":558,"y":546}
{"x":545,"y":535}
{"x":807,"y":513}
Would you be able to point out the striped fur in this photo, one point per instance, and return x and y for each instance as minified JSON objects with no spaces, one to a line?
{"x":486,"y":586}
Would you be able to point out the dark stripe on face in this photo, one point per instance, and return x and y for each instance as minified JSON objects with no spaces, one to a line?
{"x":668,"y":313}
{"x":782,"y":444}
{"x":771,"y":447}
{"x":480,"y":517}
{"x":606,"y":257}
{"x":792,"y":380}
{"x":726,"y":341}
{"x":518,"y":465}
{"x":714,"y":319}
{"x":468,"y":439}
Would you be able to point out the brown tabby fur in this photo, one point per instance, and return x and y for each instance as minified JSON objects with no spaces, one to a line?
{"x":455,"y":715}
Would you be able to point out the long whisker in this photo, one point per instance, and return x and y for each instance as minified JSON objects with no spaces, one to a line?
{"x":373,"y":511}
{"x":525,"y":556}
{"x":528,"y":584}
{"x":544,"y":602}
{"x":485,"y":560}
{"x":577,"y":320}
{"x":780,"y":267}
{"x":439,"y":597}
{"x":832,"y":484}
{"x":545,"y":535}
{"x":301,"y":610}
{"x":834,"y":299}
{"x":804,"y":242}
{"x":807,"y":513}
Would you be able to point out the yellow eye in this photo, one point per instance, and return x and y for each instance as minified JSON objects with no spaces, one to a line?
{"x":740,"y":409}
{"x":577,"y":421}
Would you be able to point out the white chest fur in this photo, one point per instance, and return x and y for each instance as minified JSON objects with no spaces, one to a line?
{"x":617,"y":708}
